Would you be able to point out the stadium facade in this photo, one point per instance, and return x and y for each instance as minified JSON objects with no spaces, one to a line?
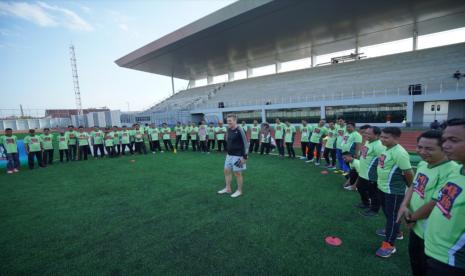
{"x":414,"y":87}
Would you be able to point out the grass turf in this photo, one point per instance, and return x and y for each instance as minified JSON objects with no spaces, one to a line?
{"x":161,"y":215}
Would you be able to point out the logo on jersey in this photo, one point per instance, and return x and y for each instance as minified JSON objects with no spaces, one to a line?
{"x":446,"y":198}
{"x":364,"y":151}
{"x":10,"y":141}
{"x":381,"y":160}
{"x":419,"y":185}
{"x":340,"y":132}
{"x":317,"y":130}
{"x":62,"y":139}
{"x":34,"y":140}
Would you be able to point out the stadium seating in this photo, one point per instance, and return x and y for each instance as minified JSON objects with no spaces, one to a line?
{"x":383,"y":75}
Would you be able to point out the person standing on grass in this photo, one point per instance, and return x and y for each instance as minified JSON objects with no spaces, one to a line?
{"x":177,"y":131}
{"x":319,"y":132}
{"x":109,"y":144}
{"x":189,"y":129}
{"x":203,"y":136}
{"x":194,"y":139}
{"x":265,"y":139}
{"x":167,"y":137}
{"x":10,"y":147}
{"x":211,"y":137}
{"x":394,"y":176}
{"x":366,"y":182}
{"x":97,"y":141}
{"x":305,"y":130}
{"x":117,"y":140}
{"x":430,"y":177}
{"x":330,"y":151}
{"x":47,"y":145}
{"x":352,"y":143}
{"x":83,"y":142}
{"x":33,"y":149}
{"x":184,"y":135}
{"x":125,"y":141}
{"x":220,"y":132}
{"x":289,"y":134}
{"x":341,"y":132}
{"x":71,"y":135}
{"x":254,"y":139}
{"x":236,"y":158}
{"x":154,"y":138}
{"x":63,"y":146}
{"x":279,"y":135}
{"x":445,"y":230}
{"x":139,"y":141}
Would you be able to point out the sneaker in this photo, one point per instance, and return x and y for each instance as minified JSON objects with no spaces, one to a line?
{"x":332,"y":167}
{"x":9,"y":172}
{"x":16,"y":170}
{"x":161,"y":151}
{"x":338,"y":171}
{"x":303,"y":158}
{"x":236,"y":194}
{"x":224,"y":191}
{"x":368,"y":213}
{"x":386,"y":250}
{"x":382,"y":233}
{"x":153,"y":152}
{"x":350,"y":188}
{"x":309,"y":161}
{"x":317,"y":163}
{"x":361,"y":206}
{"x":345,"y":173}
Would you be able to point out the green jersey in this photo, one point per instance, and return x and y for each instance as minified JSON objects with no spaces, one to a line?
{"x":331,"y":138}
{"x":245,"y":128}
{"x":369,"y":159}
{"x":72,"y":137}
{"x":279,"y":130}
{"x":62,"y":142}
{"x":116,"y":137}
{"x":391,"y":164}
{"x":33,"y":142}
{"x":445,"y":232}
{"x":184,"y":133}
{"x":154,"y":134}
{"x":350,"y":140}
{"x":428,"y":180}
{"x":305,"y":132}
{"x":289,"y":134}
{"x":83,"y":138}
{"x":341,"y":132}
{"x":132,"y":133}
{"x":125,"y":137}
{"x":97,"y":137}
{"x":202,"y":133}
{"x":109,"y":139}
{"x":220,"y":132}
{"x":318,"y":133}
{"x":9,"y":143}
{"x":47,"y":141}
{"x":355,"y":164}
{"x":166,"y":133}
{"x":138,"y":135}
{"x":177,"y":130}
{"x":193,"y":133}
{"x":211,"y":133}
{"x":254,"y":132}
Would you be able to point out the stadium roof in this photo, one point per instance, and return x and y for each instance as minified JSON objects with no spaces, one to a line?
{"x":261,"y":32}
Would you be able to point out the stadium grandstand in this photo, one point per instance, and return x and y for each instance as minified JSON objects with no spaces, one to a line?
{"x":413,"y":87}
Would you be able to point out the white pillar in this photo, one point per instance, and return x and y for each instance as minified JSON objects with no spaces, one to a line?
{"x":249,"y":72}
{"x":263,"y":115}
{"x":230,"y":76}
{"x":323,"y":111}
{"x":277,"y":67}
{"x":312,"y":58}
{"x":209,"y":79}
{"x":410,"y":104}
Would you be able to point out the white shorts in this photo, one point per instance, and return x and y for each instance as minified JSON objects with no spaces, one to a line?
{"x":230,"y":161}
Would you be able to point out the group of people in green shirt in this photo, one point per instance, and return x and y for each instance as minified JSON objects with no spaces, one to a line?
{"x":430,"y":201}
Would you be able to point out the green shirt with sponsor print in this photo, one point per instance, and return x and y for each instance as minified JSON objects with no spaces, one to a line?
{"x":305,"y":132}
{"x":349,"y":141}
{"x":83,"y":138}
{"x":125,"y":137}
{"x":154,"y":134}
{"x":138,"y":135}
{"x":166,"y":133}
{"x":427,"y":181}
{"x":254,"y":132}
{"x":62,"y":142}
{"x":193,"y":133}
{"x":341,"y":131}
{"x":220,"y":132}
{"x":72,"y":137}
{"x":33,"y":143}
{"x":279,"y":130}
{"x":9,"y":143}
{"x":317,"y":133}
{"x":391,"y":164}
{"x":47,"y":141}
{"x":331,"y":138}
{"x":97,"y":137}
{"x":177,"y":130}
{"x":445,"y":232}
{"x":289,"y":134}
{"x":369,"y":159}
{"x":184,"y":133}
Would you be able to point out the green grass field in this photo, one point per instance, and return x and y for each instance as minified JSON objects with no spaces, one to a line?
{"x":161,"y":215}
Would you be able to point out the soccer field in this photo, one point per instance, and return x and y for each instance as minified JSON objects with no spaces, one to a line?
{"x":161,"y":215}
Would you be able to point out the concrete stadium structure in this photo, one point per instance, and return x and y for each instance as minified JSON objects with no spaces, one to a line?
{"x":414,"y":87}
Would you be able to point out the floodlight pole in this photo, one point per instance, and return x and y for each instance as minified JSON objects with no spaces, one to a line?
{"x":77,"y":92}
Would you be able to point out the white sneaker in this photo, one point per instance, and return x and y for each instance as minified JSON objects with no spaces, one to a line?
{"x":224,"y":191}
{"x":309,"y":161}
{"x":317,"y":163}
{"x":9,"y":172}
{"x":236,"y":194}
{"x":161,"y":151}
{"x":16,"y":170}
{"x":153,"y":152}
{"x":303,"y":158}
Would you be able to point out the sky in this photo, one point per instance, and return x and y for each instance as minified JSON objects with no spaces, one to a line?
{"x":35,"y":36}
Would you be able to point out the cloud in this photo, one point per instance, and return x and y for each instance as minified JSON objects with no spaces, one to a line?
{"x":45,"y":15}
{"x":123,"y":27}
